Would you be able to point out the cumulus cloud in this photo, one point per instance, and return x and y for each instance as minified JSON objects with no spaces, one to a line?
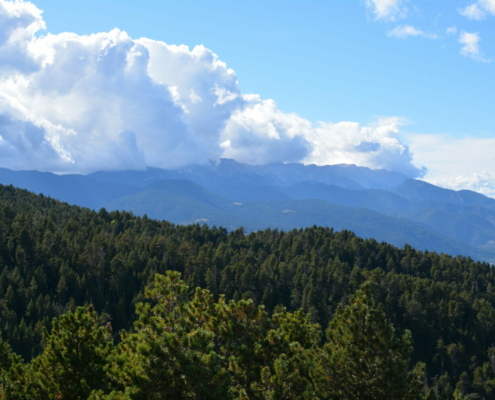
{"x":471,"y":46}
{"x":19,"y":21}
{"x":376,"y":146}
{"x":405,"y":31}
{"x":478,"y":10}
{"x":387,"y":9}
{"x":106,"y":101}
{"x":473,"y":12}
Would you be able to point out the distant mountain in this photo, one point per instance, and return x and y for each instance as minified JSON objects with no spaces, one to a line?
{"x":387,"y":206}
{"x":181,"y":202}
{"x":419,"y":190}
{"x":218,"y":177}
{"x":185,"y":202}
{"x":465,"y":216}
{"x":73,"y":189}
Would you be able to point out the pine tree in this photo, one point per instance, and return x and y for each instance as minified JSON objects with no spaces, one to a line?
{"x":364,"y":359}
{"x":73,"y":361}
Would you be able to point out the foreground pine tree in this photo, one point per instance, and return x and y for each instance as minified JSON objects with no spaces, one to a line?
{"x":364,"y":358}
{"x":72,"y":363}
{"x":199,"y":348}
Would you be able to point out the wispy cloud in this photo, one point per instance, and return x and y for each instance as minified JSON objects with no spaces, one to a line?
{"x":405,"y":31}
{"x":387,"y":9}
{"x":451,"y":30}
{"x":473,"y":12}
{"x":477,"y":11}
{"x":471,"y":46}
{"x":441,"y":153}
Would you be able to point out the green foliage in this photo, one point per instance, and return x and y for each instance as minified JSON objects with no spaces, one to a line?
{"x":197,"y":348}
{"x":364,"y":359}
{"x":169,"y":355}
{"x":73,"y":361}
{"x":210,"y":350}
{"x":55,"y":258}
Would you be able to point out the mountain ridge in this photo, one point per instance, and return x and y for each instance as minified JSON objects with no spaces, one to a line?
{"x":395,"y":208}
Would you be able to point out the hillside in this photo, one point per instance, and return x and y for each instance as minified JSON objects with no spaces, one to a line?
{"x":376,"y":204}
{"x":55,"y":257}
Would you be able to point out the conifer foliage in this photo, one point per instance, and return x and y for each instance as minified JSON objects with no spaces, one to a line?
{"x":199,"y":348}
{"x":252,"y":314}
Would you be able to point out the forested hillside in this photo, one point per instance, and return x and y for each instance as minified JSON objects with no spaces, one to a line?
{"x":55,"y":257}
{"x":379,"y":204}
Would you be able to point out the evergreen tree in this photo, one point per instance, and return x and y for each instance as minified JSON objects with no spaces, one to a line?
{"x":73,"y":361}
{"x":364,"y":359}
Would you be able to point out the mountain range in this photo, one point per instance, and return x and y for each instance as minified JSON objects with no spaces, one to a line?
{"x":384,"y":205}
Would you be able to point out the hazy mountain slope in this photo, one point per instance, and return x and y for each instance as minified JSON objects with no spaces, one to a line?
{"x":471,"y":224}
{"x":305,"y":213}
{"x":217,"y":177}
{"x":340,"y":175}
{"x":419,"y":190}
{"x":373,"y":199}
{"x":74,"y":189}
{"x":183,"y":202}
{"x":464,"y":217}
{"x":468,"y":228}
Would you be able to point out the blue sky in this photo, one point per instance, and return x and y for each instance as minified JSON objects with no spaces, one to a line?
{"x":326,"y":60}
{"x":425,"y":67}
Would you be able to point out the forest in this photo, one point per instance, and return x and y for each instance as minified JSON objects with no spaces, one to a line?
{"x":107,"y":305}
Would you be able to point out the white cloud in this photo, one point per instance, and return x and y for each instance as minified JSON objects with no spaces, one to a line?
{"x":488,"y":5}
{"x":405,"y":31}
{"x":18,"y":23}
{"x":376,"y":146}
{"x":481,"y":182}
{"x":477,"y":11}
{"x":473,"y":12}
{"x":451,"y":30}
{"x":387,"y":9}
{"x":260,"y":133}
{"x":71,"y":103}
{"x":471,"y":47}
{"x":456,"y":163}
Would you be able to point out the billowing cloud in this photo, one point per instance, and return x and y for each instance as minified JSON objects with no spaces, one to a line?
{"x":405,"y":31}
{"x":376,"y":146}
{"x":471,"y":45}
{"x":106,"y":101}
{"x":19,"y":21}
{"x":387,"y":9}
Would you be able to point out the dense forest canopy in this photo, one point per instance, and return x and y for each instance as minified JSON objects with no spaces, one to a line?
{"x":55,"y":258}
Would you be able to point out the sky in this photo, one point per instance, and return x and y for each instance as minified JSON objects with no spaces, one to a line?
{"x":401,"y":85}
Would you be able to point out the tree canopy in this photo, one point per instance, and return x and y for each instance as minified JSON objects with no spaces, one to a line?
{"x":55,"y":258}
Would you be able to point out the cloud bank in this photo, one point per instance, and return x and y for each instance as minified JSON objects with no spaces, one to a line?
{"x":442,"y":154}
{"x":106,"y":101}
